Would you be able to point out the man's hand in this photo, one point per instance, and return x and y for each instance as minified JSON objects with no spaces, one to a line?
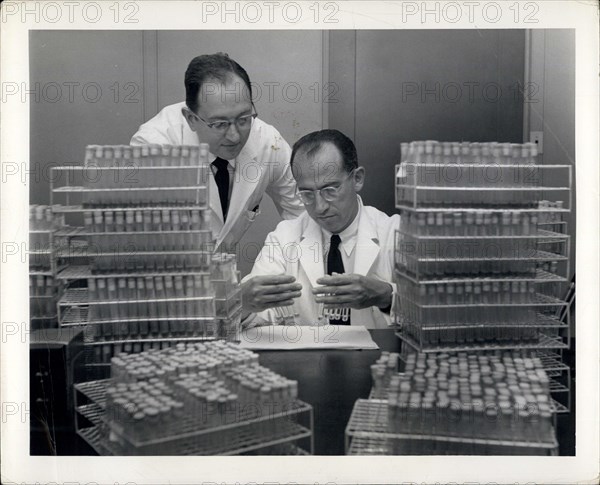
{"x":262,"y":292}
{"x":354,"y":291}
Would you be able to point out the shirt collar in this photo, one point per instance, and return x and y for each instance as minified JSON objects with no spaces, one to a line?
{"x":348,"y":235}
{"x":212,"y":158}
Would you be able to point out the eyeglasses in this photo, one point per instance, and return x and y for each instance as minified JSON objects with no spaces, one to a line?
{"x":329,"y":194}
{"x":221,"y":126}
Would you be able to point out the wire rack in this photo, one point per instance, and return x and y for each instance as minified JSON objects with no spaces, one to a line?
{"x":78,"y":272}
{"x":77,"y":208}
{"x":247,"y":432}
{"x":544,"y":342}
{"x":540,"y":276}
{"x":555,"y":387}
{"x":75,"y":296}
{"x":367,"y":433}
{"x":470,"y":211}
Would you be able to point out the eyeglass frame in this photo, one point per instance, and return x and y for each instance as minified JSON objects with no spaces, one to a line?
{"x":320,"y":191}
{"x":211,"y":124}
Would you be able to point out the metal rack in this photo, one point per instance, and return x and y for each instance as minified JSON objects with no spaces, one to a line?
{"x":279,"y":432}
{"x":45,"y":288}
{"x":367,"y":434}
{"x":481,"y":263}
{"x":428,"y":184}
{"x":139,"y":230}
{"x":468,"y":232}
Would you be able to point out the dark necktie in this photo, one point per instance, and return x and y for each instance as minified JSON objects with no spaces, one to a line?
{"x":336,"y":265}
{"x":222,"y":180}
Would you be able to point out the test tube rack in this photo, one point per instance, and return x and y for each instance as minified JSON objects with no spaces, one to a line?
{"x":44,"y":289}
{"x":477,"y":265}
{"x":140,"y":270}
{"x":481,"y":263}
{"x":490,"y":403}
{"x":209,"y":398}
{"x":482,"y":258}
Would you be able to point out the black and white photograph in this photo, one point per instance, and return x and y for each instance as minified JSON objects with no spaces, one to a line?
{"x":299,"y":231}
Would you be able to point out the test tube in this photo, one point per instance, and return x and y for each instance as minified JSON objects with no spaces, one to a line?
{"x":188,"y":238}
{"x":145,"y":160}
{"x":170,"y":305}
{"x":113,"y":305}
{"x":102,"y":296}
{"x":155,"y":221}
{"x":175,"y":220}
{"x":132,"y":308}
{"x":139,"y":221}
{"x":119,"y":221}
{"x":152,"y":310}
{"x":147,"y":221}
{"x":129,"y":221}
{"x":439,"y":224}
{"x":480,"y":229}
{"x":487,"y":222}
{"x":142,"y":306}
{"x":88,"y":221}
{"x":109,"y":221}
{"x":470,"y":223}
{"x":161,"y":306}
{"x":199,"y":219}
{"x":201,"y":284}
{"x":164,"y":162}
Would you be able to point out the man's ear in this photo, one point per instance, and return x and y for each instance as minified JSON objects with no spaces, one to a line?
{"x":189,"y":117}
{"x":359,"y":178}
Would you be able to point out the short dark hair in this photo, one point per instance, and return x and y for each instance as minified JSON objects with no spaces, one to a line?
{"x":313,"y":142}
{"x":217,"y":66}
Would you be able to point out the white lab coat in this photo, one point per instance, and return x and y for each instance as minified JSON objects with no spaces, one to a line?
{"x":296,"y":248}
{"x":262,"y":166}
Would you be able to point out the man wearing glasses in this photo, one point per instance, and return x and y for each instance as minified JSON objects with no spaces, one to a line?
{"x":339,"y":254}
{"x":248,"y":157}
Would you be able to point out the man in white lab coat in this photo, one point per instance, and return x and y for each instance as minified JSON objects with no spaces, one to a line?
{"x":337,"y":234}
{"x":248,"y":157}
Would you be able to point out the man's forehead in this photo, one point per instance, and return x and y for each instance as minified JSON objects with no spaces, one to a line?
{"x":322,"y":164}
{"x":230,"y":91}
{"x":321,"y":154}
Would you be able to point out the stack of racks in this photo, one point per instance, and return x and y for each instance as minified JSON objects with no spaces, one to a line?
{"x":482,"y":255}
{"x":200,"y":398}
{"x":482,"y":261}
{"x":140,"y":269}
{"x":44,"y":288}
{"x":474,"y":270}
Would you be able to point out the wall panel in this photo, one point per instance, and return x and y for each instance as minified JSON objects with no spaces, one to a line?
{"x":447,"y":85}
{"x":99,"y":77}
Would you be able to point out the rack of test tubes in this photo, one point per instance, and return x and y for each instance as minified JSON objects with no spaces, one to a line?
{"x":196,"y":398}
{"x":44,"y":288}
{"x":475,"y":268}
{"x":140,"y":269}
{"x":489,"y":403}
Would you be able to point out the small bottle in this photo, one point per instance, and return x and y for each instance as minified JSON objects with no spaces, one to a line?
{"x":152,"y":310}
{"x":145,"y":160}
{"x":129,"y":221}
{"x":139,"y":221}
{"x":109,"y":221}
{"x":119,"y":221}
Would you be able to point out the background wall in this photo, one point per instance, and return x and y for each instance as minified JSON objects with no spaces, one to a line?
{"x":89,"y":87}
{"x":445,"y":85}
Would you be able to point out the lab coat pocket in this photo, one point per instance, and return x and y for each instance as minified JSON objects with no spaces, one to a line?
{"x":243,"y":223}
{"x":251,"y":215}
